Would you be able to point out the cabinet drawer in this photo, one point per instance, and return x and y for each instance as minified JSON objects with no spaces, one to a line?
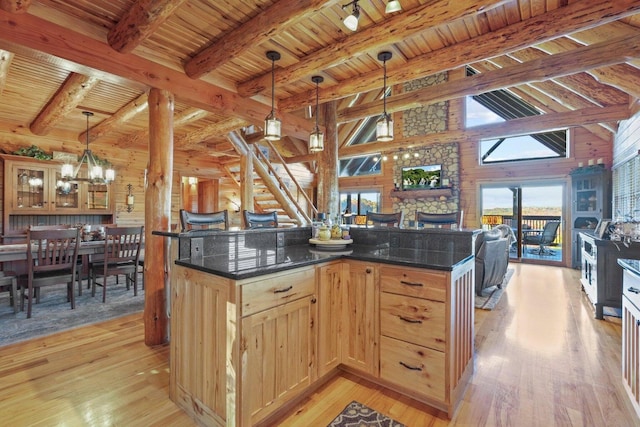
{"x":413,"y":282}
{"x":417,"y":368}
{"x":415,"y":320}
{"x":266,"y":293}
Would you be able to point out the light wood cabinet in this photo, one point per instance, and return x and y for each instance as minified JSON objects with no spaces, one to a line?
{"x":631,"y":337}
{"x":241,"y":349}
{"x":35,"y":187}
{"x":278,"y":358}
{"x":360,"y":317}
{"x":330,"y":283}
{"x":426,"y":343}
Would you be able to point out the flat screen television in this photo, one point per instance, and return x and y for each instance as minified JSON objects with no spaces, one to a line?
{"x":421,"y":177}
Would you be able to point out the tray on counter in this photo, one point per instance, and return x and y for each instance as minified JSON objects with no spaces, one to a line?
{"x":332,"y":244}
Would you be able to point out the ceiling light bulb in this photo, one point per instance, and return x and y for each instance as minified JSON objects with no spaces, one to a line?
{"x":393,"y":6}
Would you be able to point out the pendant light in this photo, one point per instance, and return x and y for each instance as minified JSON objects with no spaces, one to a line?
{"x":94,"y":169}
{"x":316,"y":139}
{"x":384,"y":126}
{"x":272,"y":125}
{"x":393,"y":6}
{"x":351,"y":21}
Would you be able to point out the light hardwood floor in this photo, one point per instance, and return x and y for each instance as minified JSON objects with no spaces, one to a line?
{"x":541,"y":360}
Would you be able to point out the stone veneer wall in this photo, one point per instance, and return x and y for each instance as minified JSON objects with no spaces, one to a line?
{"x":423,"y":121}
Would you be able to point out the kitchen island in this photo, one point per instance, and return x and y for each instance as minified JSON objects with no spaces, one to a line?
{"x":261,"y":318}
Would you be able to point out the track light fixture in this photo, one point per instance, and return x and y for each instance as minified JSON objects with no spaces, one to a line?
{"x":393,"y":6}
{"x":384,"y":126}
{"x":272,"y":125}
{"x":316,"y":139}
{"x":351,"y":21}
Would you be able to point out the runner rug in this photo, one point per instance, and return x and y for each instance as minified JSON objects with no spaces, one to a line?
{"x":358,"y":415}
{"x":491,"y":295}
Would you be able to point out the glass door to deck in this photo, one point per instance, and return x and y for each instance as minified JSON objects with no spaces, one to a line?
{"x":527,"y":208}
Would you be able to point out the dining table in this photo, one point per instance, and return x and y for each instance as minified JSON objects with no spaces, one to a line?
{"x":18,"y":251}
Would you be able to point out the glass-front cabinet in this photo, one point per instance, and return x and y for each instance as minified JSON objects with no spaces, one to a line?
{"x":36,"y":187}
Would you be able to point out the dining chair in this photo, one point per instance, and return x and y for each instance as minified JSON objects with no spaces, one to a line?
{"x":260,"y":220}
{"x":385,"y":219}
{"x":205,"y":220}
{"x":437,"y":220}
{"x":51,"y":260}
{"x":9,"y":280}
{"x":121,"y":256}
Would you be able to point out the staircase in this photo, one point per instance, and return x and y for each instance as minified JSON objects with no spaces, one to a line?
{"x":274,"y":187}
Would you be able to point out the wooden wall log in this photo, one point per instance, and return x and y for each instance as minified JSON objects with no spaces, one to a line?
{"x":157,"y":214}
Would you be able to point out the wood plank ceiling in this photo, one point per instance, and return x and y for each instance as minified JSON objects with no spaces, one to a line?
{"x":575,"y":60}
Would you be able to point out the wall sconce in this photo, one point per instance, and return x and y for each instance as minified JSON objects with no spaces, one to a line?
{"x":130,"y":198}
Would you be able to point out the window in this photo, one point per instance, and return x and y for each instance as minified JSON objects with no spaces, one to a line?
{"x":501,"y":105}
{"x":359,"y":203}
{"x":359,"y":166}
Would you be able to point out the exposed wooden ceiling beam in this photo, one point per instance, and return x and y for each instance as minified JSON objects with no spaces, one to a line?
{"x":74,"y":89}
{"x":392,"y":30}
{"x":605,"y":32}
{"x":141,"y":20}
{"x":584,"y":58}
{"x":121,"y":116}
{"x":576,"y":16}
{"x":622,"y":76}
{"x":28,"y":31}
{"x":259,"y":29}
{"x":219,"y":129}
{"x":549,"y":97}
{"x":15,"y":6}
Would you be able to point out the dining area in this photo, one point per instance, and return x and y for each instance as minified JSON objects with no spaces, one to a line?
{"x":59,"y":268}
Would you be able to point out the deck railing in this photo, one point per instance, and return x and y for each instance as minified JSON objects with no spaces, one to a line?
{"x":534,"y":222}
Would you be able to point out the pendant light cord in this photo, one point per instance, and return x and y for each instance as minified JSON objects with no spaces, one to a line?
{"x":317,"y":101}
{"x":384,"y":94}
{"x":273,"y":85}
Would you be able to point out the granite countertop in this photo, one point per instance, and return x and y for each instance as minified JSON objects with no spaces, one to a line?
{"x":247,"y":262}
{"x":632,"y":265}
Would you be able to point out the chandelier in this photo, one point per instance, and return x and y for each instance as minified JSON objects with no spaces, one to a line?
{"x":95,"y":173}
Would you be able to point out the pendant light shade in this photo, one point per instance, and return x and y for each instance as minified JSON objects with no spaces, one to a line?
{"x":384,"y":126}
{"x":316,"y":139}
{"x":351,"y":21}
{"x":393,"y":6}
{"x":272,"y":125}
{"x":95,"y":172}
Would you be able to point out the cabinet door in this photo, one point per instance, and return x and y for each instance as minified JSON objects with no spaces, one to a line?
{"x":29,"y":187}
{"x":359,"y":314}
{"x":631,"y":351}
{"x":66,"y":197}
{"x":278,"y":358}
{"x":96,"y":197}
{"x":330,"y":284}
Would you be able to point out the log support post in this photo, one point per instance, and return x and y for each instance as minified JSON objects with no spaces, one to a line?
{"x":328,"y":191}
{"x":158,"y":215}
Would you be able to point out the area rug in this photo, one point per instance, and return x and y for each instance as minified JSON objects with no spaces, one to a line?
{"x":54,"y":313}
{"x":491,"y":295}
{"x":358,"y":415}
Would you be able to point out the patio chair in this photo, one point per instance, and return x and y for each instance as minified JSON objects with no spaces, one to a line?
{"x":543,"y":238}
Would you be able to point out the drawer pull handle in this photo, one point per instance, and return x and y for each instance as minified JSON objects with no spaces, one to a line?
{"x":287,"y":289}
{"x":406,"y":319}
{"x":413,"y":368}
{"x":411,"y":284}
{"x":634,"y":290}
